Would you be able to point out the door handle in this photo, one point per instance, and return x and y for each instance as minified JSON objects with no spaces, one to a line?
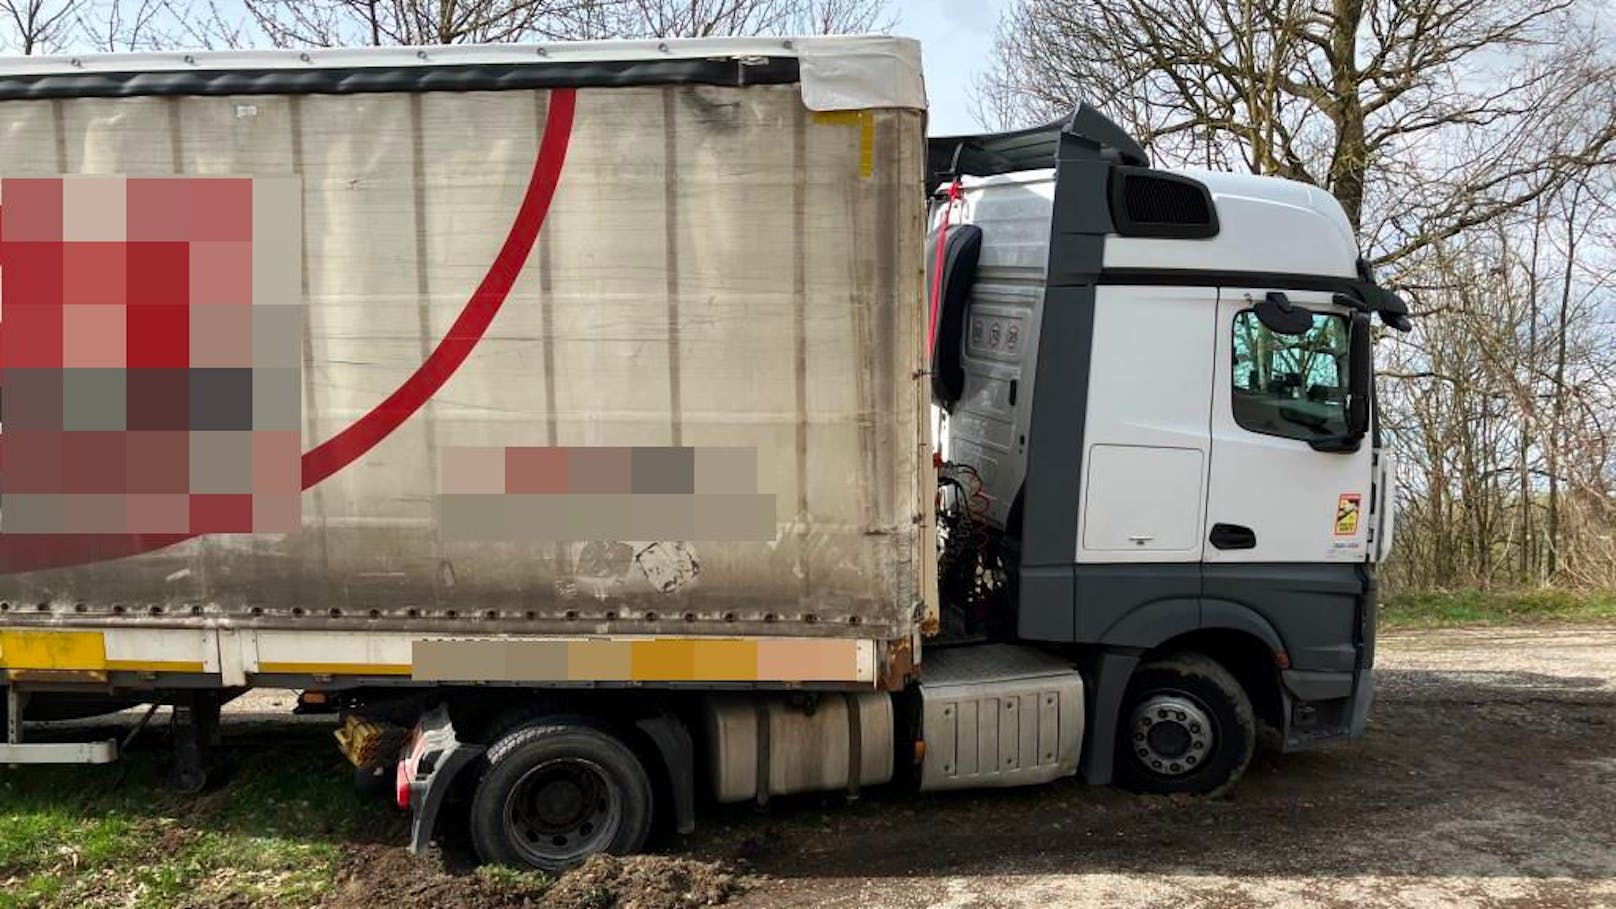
{"x":1232,"y":536}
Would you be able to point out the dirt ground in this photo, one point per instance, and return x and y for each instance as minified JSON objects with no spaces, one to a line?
{"x":1488,"y":778}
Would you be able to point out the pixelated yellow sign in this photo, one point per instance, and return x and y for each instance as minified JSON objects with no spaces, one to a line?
{"x":1347,"y":509}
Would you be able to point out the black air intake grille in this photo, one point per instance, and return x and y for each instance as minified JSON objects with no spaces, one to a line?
{"x":1153,"y":201}
{"x":1147,"y":203}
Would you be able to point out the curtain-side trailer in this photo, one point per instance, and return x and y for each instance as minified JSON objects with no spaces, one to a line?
{"x":570,"y":407}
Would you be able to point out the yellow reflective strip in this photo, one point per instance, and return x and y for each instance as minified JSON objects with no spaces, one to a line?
{"x":54,"y":675}
{"x":335,"y":668}
{"x":156,"y":666}
{"x":53,"y":650}
{"x":866,"y":143}
{"x":837,"y":117}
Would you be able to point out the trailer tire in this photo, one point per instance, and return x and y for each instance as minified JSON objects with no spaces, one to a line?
{"x":1186,"y":727}
{"x":556,"y":792}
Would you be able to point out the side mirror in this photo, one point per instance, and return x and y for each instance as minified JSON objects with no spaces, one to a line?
{"x":1394,"y":312}
{"x":1360,"y":383}
{"x":1282,"y":317}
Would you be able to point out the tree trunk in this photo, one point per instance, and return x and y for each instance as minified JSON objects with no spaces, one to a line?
{"x":1349,"y":164}
{"x":1555,"y":429}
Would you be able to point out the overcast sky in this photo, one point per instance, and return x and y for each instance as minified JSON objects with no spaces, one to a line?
{"x":956,"y":39}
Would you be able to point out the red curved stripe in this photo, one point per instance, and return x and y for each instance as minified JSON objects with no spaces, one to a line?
{"x":36,"y":551}
{"x":362,"y":435}
{"x":32,"y":552}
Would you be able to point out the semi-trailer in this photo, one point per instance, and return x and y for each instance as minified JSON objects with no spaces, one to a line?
{"x":607,"y":427}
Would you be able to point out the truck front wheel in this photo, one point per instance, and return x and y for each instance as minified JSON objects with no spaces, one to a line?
{"x":1186,"y":726}
{"x":556,"y":792}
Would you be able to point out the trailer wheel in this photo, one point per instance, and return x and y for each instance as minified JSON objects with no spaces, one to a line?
{"x":557,"y":792}
{"x":1186,"y":726}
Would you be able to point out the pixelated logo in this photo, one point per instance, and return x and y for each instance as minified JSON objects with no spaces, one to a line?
{"x":646,"y":493}
{"x":150,"y":355}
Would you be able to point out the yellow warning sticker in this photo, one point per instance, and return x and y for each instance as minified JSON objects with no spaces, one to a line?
{"x":1347,"y":509}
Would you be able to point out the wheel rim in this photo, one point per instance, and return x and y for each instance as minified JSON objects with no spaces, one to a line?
{"x":562,"y":811}
{"x":1172,"y":733}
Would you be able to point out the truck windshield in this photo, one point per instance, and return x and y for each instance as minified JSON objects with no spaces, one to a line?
{"x":1293,"y":386}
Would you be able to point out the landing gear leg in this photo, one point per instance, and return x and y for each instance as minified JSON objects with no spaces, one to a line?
{"x":196,"y":734}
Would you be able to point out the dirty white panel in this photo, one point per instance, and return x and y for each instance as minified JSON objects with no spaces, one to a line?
{"x":719,"y":267}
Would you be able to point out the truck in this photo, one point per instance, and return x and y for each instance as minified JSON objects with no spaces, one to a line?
{"x":604,"y":429}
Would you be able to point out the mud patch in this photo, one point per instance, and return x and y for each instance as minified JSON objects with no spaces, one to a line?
{"x":644,"y":882}
{"x":389,"y":876}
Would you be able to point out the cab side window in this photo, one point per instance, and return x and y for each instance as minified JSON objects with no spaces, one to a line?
{"x":1293,"y":386}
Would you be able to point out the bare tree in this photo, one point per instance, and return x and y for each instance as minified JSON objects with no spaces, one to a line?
{"x":346,"y":23}
{"x":209,"y":25}
{"x":705,"y":18}
{"x":690,"y":18}
{"x":1461,"y":100}
{"x":842,"y":17}
{"x":713,"y":18}
{"x":131,"y":25}
{"x":332,"y":23}
{"x":33,"y":26}
{"x":38,"y":26}
{"x":1471,"y":144}
{"x":1501,"y":401}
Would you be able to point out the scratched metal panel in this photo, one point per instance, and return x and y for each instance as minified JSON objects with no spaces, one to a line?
{"x":719,"y":268}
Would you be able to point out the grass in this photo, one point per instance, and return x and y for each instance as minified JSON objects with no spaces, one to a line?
{"x":116,"y":836}
{"x":285,"y":828}
{"x":515,"y":880}
{"x":1440,"y":609}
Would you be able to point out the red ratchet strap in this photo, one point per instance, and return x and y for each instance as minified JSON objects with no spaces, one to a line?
{"x":937,"y":271}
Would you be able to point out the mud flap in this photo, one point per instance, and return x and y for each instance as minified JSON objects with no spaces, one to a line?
{"x":1322,"y":707}
{"x":672,"y":741}
{"x":1363,"y":697}
{"x":1110,"y":672}
{"x":428,"y":769}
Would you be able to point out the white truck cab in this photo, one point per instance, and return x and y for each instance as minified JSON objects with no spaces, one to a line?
{"x":1157,"y":420}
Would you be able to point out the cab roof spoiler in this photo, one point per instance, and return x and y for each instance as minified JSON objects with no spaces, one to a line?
{"x":989,"y":154}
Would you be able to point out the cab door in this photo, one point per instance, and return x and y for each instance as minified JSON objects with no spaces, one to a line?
{"x":1273,"y":496}
{"x":1145,"y":433}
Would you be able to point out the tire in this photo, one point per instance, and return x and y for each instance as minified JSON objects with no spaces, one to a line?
{"x":556,"y":792}
{"x":1186,"y":727}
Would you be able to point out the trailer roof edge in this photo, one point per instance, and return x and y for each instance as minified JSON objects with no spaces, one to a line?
{"x":836,"y":72}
